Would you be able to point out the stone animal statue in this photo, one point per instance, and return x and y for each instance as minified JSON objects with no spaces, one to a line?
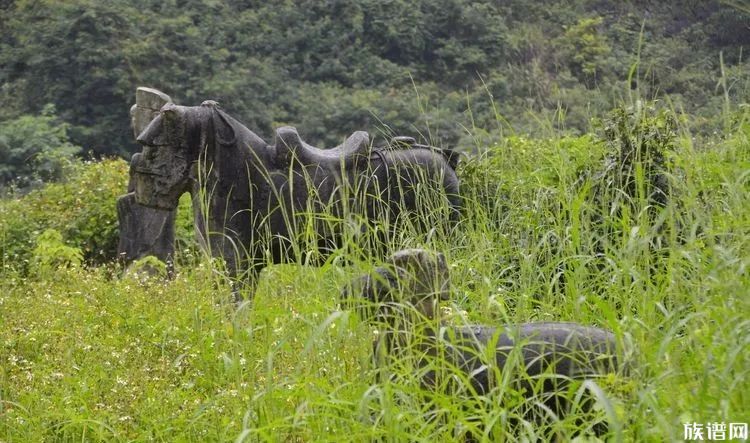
{"x":145,"y":231}
{"x":402,"y":298}
{"x":254,"y":200}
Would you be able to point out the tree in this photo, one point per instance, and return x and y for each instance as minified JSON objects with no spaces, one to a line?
{"x":34,"y":147}
{"x":582,"y":48}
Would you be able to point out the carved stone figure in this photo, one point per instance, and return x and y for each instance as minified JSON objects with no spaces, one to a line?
{"x":402,"y":298}
{"x":254,"y":202}
{"x":145,"y":231}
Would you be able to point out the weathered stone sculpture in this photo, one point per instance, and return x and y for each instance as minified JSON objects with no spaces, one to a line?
{"x":254,"y":200}
{"x":402,"y":298}
{"x":145,"y":231}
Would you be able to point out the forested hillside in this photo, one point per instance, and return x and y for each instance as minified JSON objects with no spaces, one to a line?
{"x":433,"y":67}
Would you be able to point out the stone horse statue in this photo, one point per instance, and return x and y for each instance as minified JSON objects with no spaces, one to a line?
{"x":255,"y":203}
{"x":542,"y":361}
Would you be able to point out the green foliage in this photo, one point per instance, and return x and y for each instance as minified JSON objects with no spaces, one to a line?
{"x":185,"y":240}
{"x":583,"y":48}
{"x":51,"y":254}
{"x":269,"y":63}
{"x":640,"y":143}
{"x":75,"y":50}
{"x":34,"y":147}
{"x":89,"y":357}
{"x":520,"y":168}
{"x":82,"y":209}
{"x":147,"y":269}
{"x":93,"y":357}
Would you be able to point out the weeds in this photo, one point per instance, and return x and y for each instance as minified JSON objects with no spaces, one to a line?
{"x":84,"y":356}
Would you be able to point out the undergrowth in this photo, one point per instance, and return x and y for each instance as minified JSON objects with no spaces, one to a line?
{"x":549,"y":231}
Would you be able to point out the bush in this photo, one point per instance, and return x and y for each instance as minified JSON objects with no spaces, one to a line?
{"x":52,"y":253}
{"x":632,"y":184}
{"x":82,"y":209}
{"x":519,"y":168}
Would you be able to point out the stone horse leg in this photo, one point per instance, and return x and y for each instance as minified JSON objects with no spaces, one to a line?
{"x":236,"y":270}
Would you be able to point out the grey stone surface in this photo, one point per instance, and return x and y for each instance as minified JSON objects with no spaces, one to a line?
{"x":291,"y":148}
{"x":148,"y":102}
{"x":150,"y":98}
{"x":410,"y":278}
{"x":144,"y":231}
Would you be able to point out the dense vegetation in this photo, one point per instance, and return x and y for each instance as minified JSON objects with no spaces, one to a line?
{"x":433,"y":67}
{"x":639,"y":228}
{"x":585,"y":201}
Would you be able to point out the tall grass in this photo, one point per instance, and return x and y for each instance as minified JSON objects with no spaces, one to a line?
{"x":544,"y":235}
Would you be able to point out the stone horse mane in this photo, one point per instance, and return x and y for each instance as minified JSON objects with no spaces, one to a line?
{"x":220,"y":125}
{"x":219,"y":131}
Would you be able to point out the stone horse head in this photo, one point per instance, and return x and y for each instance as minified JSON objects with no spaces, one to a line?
{"x":173,"y":143}
{"x":162,"y":170}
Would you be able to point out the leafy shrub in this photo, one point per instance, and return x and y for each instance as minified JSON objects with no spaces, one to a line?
{"x":82,"y":209}
{"x":522,"y":195}
{"x":632,"y":181}
{"x":147,"y":269}
{"x":52,"y":253}
{"x":640,"y":141}
{"x":186,"y":244}
{"x":584,"y":46}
